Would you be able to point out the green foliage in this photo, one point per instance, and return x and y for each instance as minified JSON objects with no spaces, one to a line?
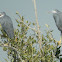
{"x":22,"y":47}
{"x":4,"y":48}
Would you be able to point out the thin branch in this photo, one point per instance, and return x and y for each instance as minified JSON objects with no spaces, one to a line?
{"x":38,"y":29}
{"x":32,"y":52}
{"x":5,"y":45}
{"x":36,"y":14}
{"x":29,"y":26}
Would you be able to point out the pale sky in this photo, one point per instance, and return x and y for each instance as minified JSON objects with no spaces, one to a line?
{"x":26,"y":9}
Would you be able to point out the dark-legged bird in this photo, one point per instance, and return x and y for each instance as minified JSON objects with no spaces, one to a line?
{"x":57,"y":15}
{"x":7,"y":25}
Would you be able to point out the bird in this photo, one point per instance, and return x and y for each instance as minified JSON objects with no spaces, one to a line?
{"x":57,"y":15}
{"x":7,"y":25}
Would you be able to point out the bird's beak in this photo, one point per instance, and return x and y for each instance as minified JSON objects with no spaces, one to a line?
{"x":50,"y":11}
{"x":53,"y":11}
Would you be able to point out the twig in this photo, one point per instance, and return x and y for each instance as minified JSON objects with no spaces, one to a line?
{"x":29,"y":26}
{"x":38,"y":29}
{"x":4,"y":45}
{"x":32,"y":52}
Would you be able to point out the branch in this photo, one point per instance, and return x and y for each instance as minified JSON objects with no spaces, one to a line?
{"x":28,"y":26}
{"x":38,"y":29}
{"x":5,"y":45}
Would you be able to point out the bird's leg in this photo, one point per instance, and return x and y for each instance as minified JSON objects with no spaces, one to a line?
{"x":60,"y":42}
{"x":61,"y":38}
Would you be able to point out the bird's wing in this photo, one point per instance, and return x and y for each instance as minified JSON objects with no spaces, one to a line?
{"x":7,"y":26}
{"x":57,"y":20}
{"x":56,"y":17}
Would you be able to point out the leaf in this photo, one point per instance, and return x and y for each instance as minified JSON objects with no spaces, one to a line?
{"x":26,"y":21}
{"x":17,"y":12}
{"x":4,"y":48}
{"x":34,"y":41}
{"x":17,"y":21}
{"x":47,"y":25}
{"x":18,"y":25}
{"x":33,"y":23}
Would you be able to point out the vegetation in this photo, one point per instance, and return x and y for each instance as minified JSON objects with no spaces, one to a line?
{"x":22,"y":48}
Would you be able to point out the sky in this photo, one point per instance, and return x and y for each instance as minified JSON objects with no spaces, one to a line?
{"x":26,"y":9}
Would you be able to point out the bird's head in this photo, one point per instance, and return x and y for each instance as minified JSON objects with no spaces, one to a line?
{"x":2,"y":14}
{"x":54,"y":11}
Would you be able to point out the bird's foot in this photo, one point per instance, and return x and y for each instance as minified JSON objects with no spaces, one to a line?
{"x":59,"y":42}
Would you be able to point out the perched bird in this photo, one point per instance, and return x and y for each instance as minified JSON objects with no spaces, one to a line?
{"x":57,"y":15}
{"x":7,"y":25}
